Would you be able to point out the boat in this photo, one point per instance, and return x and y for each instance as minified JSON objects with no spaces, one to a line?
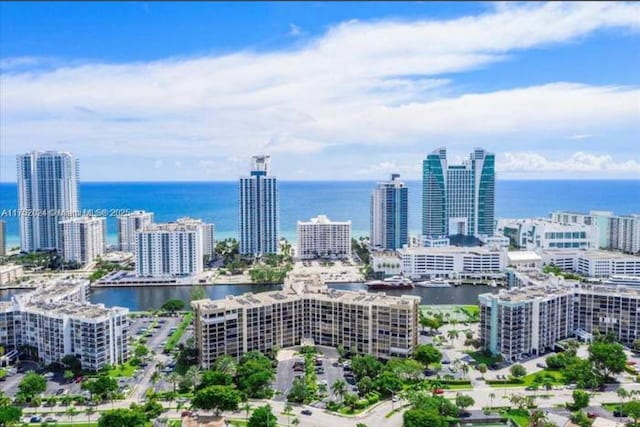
{"x":434,"y":283}
{"x":395,"y":282}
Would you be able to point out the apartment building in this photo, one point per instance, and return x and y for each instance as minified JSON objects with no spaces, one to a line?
{"x":56,"y":320}
{"x":529,"y":320}
{"x":306,"y":310}
{"x":10,"y":273}
{"x":128,"y":225}
{"x":83,"y":239}
{"x":543,"y":233}
{"x":451,"y":261}
{"x":208,"y":234}
{"x":321,"y":237}
{"x":169,"y":250}
{"x":389,"y":214}
{"x":594,"y":263}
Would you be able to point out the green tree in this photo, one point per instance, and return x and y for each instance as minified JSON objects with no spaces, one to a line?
{"x":365,"y":385}
{"x":31,"y":385}
{"x":427,"y":354}
{"x":10,"y":415}
{"x":463,"y":401}
{"x":217,"y":398}
{"x":212,"y":377}
{"x":339,"y":388}
{"x":299,"y":391}
{"x":173,"y":305}
{"x":607,"y":357}
{"x":141,"y":351}
{"x":255,"y":374}
{"x":263,"y":417}
{"x":581,"y":419}
{"x":580,"y":399}
{"x":632,"y":409}
{"x":122,"y":418}
{"x":350,"y":400}
{"x":482,"y":368}
{"x":387,"y":382}
{"x":434,"y":323}
{"x":68,"y":375}
{"x":72,"y":363}
{"x":518,"y":371}
{"x":102,"y":386}
{"x":366,"y":366}
{"x":423,"y":418}
{"x":226,"y":365}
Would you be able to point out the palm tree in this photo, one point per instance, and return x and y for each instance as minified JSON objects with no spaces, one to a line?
{"x":492,"y":396}
{"x":155,"y":377}
{"x":622,"y":394}
{"x":246,"y":407}
{"x":288,"y":410}
{"x":89,"y":410}
{"x":295,"y":422}
{"x":339,"y":388}
{"x":70,"y":412}
{"x":538,"y":418}
{"x":465,"y":369}
{"x":226,"y":365}
{"x":453,"y":334}
{"x":193,"y":376}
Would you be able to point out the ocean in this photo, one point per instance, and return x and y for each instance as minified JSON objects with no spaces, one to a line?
{"x":217,"y":202}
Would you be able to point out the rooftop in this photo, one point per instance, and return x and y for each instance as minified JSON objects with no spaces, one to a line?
{"x":446,"y":250}
{"x":523,"y":256}
{"x":323,"y":219}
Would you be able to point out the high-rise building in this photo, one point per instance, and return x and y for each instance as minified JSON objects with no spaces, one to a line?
{"x":321,"y":237}
{"x":304,"y":311}
{"x":259,"y":214}
{"x":128,"y":225}
{"x":83,"y":239}
{"x":47,"y":194}
{"x":169,"y":250}
{"x":208,"y":234}
{"x":458,"y":199}
{"x":389,"y":214}
{"x":3,"y":238}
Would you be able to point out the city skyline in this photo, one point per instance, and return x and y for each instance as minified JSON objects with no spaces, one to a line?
{"x":453,"y":74}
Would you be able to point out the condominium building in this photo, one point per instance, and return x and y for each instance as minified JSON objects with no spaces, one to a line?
{"x":389,"y":214}
{"x":56,"y":320}
{"x":543,"y":233}
{"x":451,"y":261}
{"x":615,"y":231}
{"x":458,"y":199}
{"x":47,"y":194}
{"x":3,"y":238}
{"x":259,"y":214}
{"x":83,"y":239}
{"x":593,"y":263}
{"x":169,"y":249}
{"x":10,"y":273}
{"x":530,"y":320}
{"x":321,"y":237}
{"x":306,"y":311}
{"x":208,"y":234}
{"x":128,"y":225}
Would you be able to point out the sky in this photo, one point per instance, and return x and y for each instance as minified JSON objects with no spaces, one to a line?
{"x":332,"y":91}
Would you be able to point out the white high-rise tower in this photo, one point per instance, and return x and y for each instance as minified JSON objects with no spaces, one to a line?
{"x":47,"y":194}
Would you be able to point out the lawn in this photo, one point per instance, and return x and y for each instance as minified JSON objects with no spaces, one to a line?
{"x":519,"y":417}
{"x":555,"y":376}
{"x":124,"y":370}
{"x":449,"y":311}
{"x":481,"y":357}
{"x":175,"y":337}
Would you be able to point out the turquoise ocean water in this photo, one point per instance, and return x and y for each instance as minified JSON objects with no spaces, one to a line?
{"x":217,"y":201}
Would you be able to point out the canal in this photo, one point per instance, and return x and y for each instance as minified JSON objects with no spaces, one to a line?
{"x":152,"y":297}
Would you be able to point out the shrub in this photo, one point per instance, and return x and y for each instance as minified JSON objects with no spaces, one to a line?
{"x":361,"y":404}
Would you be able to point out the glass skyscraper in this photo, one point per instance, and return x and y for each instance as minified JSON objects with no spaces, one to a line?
{"x":458,"y":199}
{"x":259,"y":214}
{"x":389,"y":214}
{"x":47,"y":194}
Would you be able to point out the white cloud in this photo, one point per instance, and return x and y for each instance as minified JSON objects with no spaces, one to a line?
{"x":294,"y":30}
{"x":579,"y":162}
{"x":361,"y":83}
{"x":583,"y":136}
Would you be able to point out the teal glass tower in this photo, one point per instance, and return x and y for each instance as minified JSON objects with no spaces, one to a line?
{"x":389,"y":215}
{"x":458,"y":199}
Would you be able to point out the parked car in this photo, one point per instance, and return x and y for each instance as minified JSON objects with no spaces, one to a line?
{"x":592,"y":414}
{"x":50,"y":420}
{"x":35,"y":419}
{"x":306,"y":412}
{"x":438,"y":391}
{"x":186,"y":413}
{"x":59,"y":391}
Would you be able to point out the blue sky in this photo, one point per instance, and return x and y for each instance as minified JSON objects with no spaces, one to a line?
{"x":188,"y":91}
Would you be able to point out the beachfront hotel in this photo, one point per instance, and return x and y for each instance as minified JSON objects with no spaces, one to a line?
{"x":458,"y":199}
{"x":530,"y":320}
{"x":322,"y":238}
{"x":258,"y":210}
{"x":83,"y":239}
{"x":128,"y":225}
{"x":389,"y":215}
{"x":169,"y":250}
{"x":306,"y":311}
{"x":56,"y":320}
{"x":47,"y":194}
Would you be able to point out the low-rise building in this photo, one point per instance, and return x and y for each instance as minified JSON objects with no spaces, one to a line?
{"x":10,"y":273}
{"x":388,"y":263}
{"x":524,"y":259}
{"x":83,"y":239}
{"x":451,"y":261}
{"x":306,"y":310}
{"x":594,"y":263}
{"x":543,"y":233}
{"x":57,"y":320}
{"x":322,"y":238}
